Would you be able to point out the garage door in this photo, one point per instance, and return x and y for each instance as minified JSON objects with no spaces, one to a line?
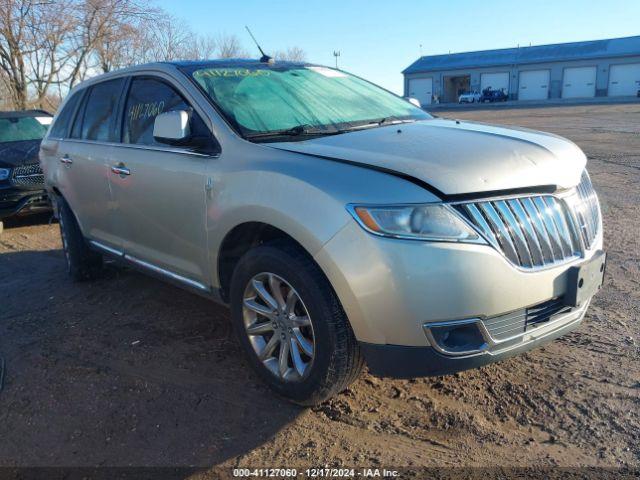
{"x":579,"y":82}
{"x":624,"y":80}
{"x":421,"y":89}
{"x":497,"y":81}
{"x":533,"y":85}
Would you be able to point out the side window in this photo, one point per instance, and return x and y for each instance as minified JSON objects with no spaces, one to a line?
{"x":76,"y":129}
{"x":148,"y":98}
{"x":100,"y":111}
{"x":61,"y":126}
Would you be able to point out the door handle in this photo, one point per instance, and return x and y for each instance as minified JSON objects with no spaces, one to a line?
{"x":66,"y":160}
{"x":121,"y":170}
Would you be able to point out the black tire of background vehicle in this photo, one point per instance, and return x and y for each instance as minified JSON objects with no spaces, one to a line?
{"x":82,"y":262}
{"x":337,"y":360}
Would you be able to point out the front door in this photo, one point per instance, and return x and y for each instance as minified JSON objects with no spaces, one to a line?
{"x":159,"y":190}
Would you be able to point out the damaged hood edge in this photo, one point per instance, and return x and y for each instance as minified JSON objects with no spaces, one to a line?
{"x":453,"y":158}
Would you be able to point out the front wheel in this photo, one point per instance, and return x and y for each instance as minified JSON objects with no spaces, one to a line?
{"x":292,"y":326}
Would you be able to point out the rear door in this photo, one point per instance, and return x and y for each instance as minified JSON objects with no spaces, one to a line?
{"x":85,"y":158}
{"x":161,"y":199}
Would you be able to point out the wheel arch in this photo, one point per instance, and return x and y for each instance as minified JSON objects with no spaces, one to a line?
{"x":242,"y":238}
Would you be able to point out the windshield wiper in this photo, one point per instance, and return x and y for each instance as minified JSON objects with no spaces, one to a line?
{"x":308,"y":130}
{"x":376,"y":123}
{"x":296,"y":131}
{"x":390,"y":121}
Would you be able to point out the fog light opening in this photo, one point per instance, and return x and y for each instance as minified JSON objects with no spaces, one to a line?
{"x":460,"y":338}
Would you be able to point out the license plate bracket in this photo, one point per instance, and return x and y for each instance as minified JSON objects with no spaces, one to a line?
{"x":585,"y":280}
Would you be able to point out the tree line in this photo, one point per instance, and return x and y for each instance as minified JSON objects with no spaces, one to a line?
{"x":49,"y":46}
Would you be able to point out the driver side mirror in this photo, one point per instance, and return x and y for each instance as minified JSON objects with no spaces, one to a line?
{"x":172,"y":127}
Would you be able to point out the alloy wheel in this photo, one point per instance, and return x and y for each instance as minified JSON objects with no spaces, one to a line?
{"x":279,"y":326}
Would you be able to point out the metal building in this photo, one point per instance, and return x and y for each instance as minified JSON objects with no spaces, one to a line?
{"x":598,"y":68}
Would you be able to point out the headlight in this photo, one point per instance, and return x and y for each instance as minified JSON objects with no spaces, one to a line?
{"x":4,"y":173}
{"x":433,"y":222}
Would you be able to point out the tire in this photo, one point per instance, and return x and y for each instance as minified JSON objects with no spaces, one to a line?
{"x":336,"y":361}
{"x":82,"y":262}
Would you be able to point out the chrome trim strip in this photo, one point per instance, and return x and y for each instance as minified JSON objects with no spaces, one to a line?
{"x":561,"y":226}
{"x":167,"y":273}
{"x":532,"y":238}
{"x":541,"y":231}
{"x":501,"y":231}
{"x":107,"y":249}
{"x":150,"y":266}
{"x":550,"y":226}
{"x":482,"y":223}
{"x":142,"y":147}
{"x":31,"y":175}
{"x":516,"y":230}
{"x":587,"y":219}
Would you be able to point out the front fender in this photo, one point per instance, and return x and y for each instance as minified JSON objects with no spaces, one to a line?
{"x":305,"y":197}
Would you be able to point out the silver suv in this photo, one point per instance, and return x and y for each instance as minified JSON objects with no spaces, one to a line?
{"x":342,"y":224}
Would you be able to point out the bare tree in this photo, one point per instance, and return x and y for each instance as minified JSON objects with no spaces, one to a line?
{"x":6,"y":102}
{"x":229,"y":46}
{"x":201,"y":47}
{"x":15,"y":47}
{"x":49,"y":46}
{"x":119,"y":48}
{"x":49,"y":27}
{"x":291,"y":54}
{"x":98,"y":22}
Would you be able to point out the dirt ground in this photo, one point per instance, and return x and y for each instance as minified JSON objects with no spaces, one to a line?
{"x":130,"y":371}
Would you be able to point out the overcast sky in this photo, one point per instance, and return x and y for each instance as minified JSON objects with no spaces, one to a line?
{"x":378,"y":39}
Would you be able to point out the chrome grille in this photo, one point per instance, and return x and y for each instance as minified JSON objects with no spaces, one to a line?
{"x":516,"y":323}
{"x":538,"y":230}
{"x":28,"y":175}
{"x":585,"y":205}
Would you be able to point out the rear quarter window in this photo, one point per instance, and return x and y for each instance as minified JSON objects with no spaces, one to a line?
{"x":60,"y":128}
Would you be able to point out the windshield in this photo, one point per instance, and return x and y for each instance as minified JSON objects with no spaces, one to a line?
{"x":262,"y":100}
{"x":22,"y":128}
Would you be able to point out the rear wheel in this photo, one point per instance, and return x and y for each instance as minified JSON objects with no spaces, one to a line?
{"x":82,"y":262}
{"x":292,"y":326}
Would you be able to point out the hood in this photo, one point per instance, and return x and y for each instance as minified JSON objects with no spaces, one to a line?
{"x":457,"y":157}
{"x":14,"y":154}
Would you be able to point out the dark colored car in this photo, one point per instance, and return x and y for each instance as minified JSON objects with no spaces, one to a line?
{"x":21,"y":179}
{"x":493,"y":96}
